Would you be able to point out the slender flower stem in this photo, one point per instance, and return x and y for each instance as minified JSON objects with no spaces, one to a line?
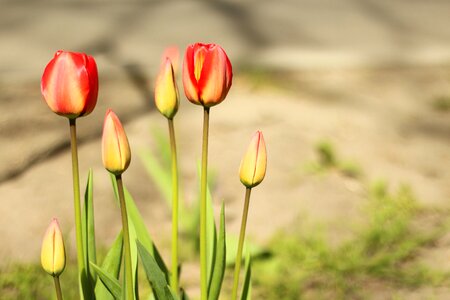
{"x":203,"y":184}
{"x":76,"y":197}
{"x":237,"y":267}
{"x":126,"y":241}
{"x":58,"y":288}
{"x":175,"y":204}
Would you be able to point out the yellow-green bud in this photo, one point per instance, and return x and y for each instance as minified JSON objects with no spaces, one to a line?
{"x":166,"y":92}
{"x":116,"y":152}
{"x":53,"y":254}
{"x":254,"y":162}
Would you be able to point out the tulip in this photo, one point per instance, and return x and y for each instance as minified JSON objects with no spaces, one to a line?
{"x":53,"y":255}
{"x":253,"y":164}
{"x":70,"y":84}
{"x":207,"y":74}
{"x":116,"y":157}
{"x":116,"y":152}
{"x":166,"y":92}
{"x":251,"y":172}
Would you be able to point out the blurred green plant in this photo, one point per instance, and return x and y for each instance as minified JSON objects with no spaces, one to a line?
{"x":327,"y":159}
{"x":382,"y":251}
{"x":157,"y":164}
{"x":441,"y":103}
{"x":28,"y":281}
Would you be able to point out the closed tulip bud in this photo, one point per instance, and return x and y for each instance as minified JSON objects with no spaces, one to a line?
{"x":207,"y":74}
{"x":116,"y":152}
{"x":70,"y":84}
{"x":166,"y":92}
{"x":53,"y":254}
{"x":254,"y":162}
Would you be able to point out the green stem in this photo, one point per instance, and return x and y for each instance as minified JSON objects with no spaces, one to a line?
{"x":76,"y":200}
{"x":237,"y":267}
{"x":58,"y":288}
{"x":203,"y":185}
{"x":126,"y":241}
{"x":173,"y":147}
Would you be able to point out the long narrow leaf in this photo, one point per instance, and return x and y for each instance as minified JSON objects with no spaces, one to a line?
{"x":155,"y":276}
{"x":142,"y":234}
{"x":89,"y":203}
{"x":88,"y":236}
{"x":111,"y":265}
{"x":111,"y":283}
{"x":160,"y":176}
{"x":247,"y":286}
{"x":220,"y":258}
{"x":232,"y":245}
{"x":134,"y":255}
{"x":211,"y":236}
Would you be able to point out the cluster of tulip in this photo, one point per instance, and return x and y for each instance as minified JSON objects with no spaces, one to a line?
{"x":70,"y":88}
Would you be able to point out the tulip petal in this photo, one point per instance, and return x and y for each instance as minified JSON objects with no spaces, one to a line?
{"x":212,"y":83}
{"x":92,"y":74}
{"x":189,"y":80}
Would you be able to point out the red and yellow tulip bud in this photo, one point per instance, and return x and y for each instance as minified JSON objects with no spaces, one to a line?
{"x":254,"y":162}
{"x":53,"y":254}
{"x":70,"y":84}
{"x":116,"y":152}
{"x":207,"y":74}
{"x":166,"y":92}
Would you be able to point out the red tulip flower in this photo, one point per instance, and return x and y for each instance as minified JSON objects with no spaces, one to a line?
{"x":207,"y":74}
{"x":70,"y":84}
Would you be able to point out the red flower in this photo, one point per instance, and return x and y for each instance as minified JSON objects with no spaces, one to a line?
{"x":207,"y":74}
{"x":70,"y":84}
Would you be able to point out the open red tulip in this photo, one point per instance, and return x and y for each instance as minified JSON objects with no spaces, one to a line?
{"x":207,"y":74}
{"x":70,"y":84}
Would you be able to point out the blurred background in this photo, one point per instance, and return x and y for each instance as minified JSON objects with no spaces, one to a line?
{"x":353,"y":98}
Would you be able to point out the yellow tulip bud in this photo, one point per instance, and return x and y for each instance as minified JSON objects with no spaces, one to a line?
{"x":53,"y":255}
{"x":116,"y":152}
{"x":254,"y":162}
{"x":166,"y":92}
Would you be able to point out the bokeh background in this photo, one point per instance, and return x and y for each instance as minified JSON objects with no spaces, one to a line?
{"x":353,"y":98}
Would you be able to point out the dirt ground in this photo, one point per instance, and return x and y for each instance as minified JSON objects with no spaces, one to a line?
{"x":384,"y":120}
{"x":370,"y":77}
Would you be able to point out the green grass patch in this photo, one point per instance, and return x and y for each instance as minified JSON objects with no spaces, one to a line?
{"x":441,"y":103}
{"x":381,"y":252}
{"x":29,"y":281}
{"x":328,"y":160}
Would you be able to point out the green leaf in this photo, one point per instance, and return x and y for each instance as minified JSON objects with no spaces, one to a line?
{"x":134,"y":254}
{"x":162,"y":143}
{"x":88,"y":236}
{"x":160,"y":175}
{"x":247,"y":286}
{"x":111,"y":283}
{"x":155,"y":276}
{"x":211,"y":235}
{"x":135,"y":217}
{"x":232,"y":245}
{"x":215,"y":283}
{"x":184,"y":295}
{"x":111,"y":265}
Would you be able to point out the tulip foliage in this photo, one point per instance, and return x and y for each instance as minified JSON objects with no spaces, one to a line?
{"x":70,"y":88}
